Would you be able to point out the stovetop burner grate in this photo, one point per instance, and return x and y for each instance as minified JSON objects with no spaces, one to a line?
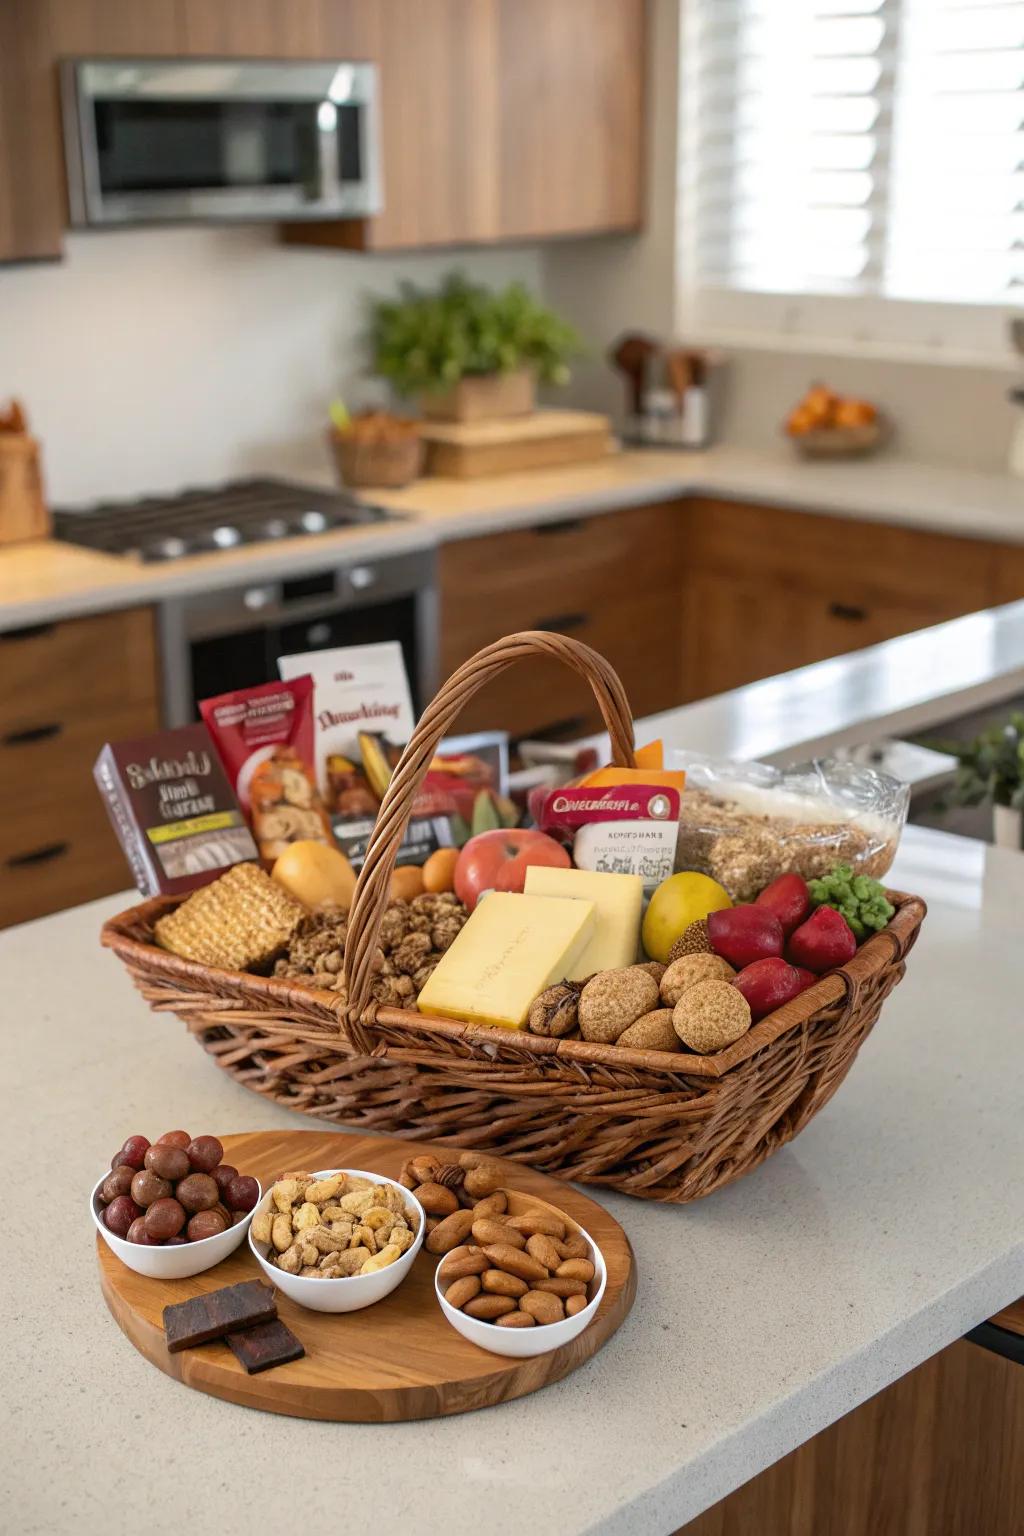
{"x":204,"y":520}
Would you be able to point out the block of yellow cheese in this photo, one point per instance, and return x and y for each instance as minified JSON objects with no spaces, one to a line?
{"x":618,"y":900}
{"x":511,"y":948}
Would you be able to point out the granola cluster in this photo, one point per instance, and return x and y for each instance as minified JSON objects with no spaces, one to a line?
{"x":413,"y":937}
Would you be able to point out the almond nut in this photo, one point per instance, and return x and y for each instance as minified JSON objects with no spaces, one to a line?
{"x":423,"y":1169}
{"x":484,"y":1179}
{"x":573,"y":1247}
{"x":487,"y":1308}
{"x":515,"y":1263}
{"x":544,"y":1250}
{"x":575,"y":1304}
{"x":450,"y":1232}
{"x":561,"y":1285}
{"x":459,"y":1263}
{"x":543,"y":1306}
{"x":517,"y":1320}
{"x":492,"y":1205}
{"x":545,"y":1222}
{"x":576,"y":1269}
{"x":463,"y":1290}
{"x":502,"y":1284}
{"x":486,"y":1230}
{"x":436,"y":1200}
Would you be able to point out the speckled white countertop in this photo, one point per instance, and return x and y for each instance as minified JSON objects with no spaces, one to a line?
{"x":890,"y":1227}
{"x":44,"y":580}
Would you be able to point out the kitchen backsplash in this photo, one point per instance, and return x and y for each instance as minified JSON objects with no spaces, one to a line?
{"x":153,"y":359}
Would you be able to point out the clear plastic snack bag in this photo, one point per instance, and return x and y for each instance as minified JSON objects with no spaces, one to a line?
{"x":745,"y":823}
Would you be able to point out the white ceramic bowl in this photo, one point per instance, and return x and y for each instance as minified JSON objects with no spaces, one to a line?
{"x":520,"y":1343}
{"x":352,"y":1292}
{"x":179,"y":1260}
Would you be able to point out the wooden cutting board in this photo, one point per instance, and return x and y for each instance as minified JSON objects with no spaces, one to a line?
{"x":504,"y":446}
{"x":397,"y":1360}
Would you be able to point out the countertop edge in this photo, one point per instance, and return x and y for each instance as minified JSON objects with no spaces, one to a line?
{"x":760,"y":1443}
{"x":638,"y":477}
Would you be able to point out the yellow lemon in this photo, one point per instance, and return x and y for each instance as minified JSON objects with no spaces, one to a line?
{"x":679,"y":901}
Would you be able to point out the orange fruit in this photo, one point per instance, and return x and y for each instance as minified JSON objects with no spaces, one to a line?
{"x":406,"y":883}
{"x":439,"y":870}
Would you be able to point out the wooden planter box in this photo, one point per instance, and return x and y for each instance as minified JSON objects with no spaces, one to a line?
{"x":483,"y":396}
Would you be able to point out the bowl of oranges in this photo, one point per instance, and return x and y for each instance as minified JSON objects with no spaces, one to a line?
{"x":825,"y":425}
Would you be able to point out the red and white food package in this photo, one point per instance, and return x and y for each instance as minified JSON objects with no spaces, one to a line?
{"x":264,"y":738}
{"x":627,"y":829}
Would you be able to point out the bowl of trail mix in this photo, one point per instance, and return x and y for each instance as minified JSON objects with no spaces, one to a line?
{"x":337,"y":1240}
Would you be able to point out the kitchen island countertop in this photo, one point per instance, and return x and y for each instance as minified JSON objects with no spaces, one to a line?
{"x":890,"y":1227}
{"x":45,"y":580}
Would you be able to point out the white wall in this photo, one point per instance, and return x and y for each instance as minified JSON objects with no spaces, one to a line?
{"x":628,"y":282}
{"x":150,"y":360}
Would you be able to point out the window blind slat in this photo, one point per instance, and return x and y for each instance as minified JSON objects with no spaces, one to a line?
{"x":858,"y":146}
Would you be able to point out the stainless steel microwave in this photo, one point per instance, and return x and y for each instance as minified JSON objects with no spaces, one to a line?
{"x":218,"y":139}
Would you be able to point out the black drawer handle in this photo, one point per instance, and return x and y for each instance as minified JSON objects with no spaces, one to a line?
{"x":852,"y":612}
{"x":28,"y":632}
{"x":32,"y":733}
{"x":38,"y":855}
{"x":564,"y":525}
{"x":563,"y":622}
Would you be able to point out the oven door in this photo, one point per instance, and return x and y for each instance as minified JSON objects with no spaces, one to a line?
{"x":221,"y":640}
{"x":169,"y":139}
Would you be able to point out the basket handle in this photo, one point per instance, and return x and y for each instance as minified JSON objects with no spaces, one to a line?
{"x":372,"y":891}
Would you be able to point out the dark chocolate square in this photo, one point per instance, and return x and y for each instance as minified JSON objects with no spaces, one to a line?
{"x":218,"y":1313}
{"x":260,"y":1349}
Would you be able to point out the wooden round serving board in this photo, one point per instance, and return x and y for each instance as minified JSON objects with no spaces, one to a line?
{"x":397,"y":1360}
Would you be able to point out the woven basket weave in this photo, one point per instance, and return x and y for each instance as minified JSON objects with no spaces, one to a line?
{"x":664,"y":1127}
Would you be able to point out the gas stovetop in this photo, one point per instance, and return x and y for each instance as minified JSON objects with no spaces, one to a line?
{"x":198,"y":522}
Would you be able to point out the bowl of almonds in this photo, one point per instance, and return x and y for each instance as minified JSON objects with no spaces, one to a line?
{"x":524,"y":1278}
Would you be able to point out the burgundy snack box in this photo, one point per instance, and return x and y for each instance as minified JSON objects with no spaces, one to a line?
{"x":173,"y":810}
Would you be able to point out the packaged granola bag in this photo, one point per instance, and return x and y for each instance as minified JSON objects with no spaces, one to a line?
{"x":745,"y":823}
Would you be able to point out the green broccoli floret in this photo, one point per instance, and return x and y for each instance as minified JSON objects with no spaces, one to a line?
{"x":858,"y":898}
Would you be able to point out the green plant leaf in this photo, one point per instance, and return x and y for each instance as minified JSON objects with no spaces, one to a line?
{"x":427,"y":341}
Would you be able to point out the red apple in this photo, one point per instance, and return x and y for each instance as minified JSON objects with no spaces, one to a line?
{"x":498,"y":861}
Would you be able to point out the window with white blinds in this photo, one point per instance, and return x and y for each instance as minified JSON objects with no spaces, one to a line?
{"x":853,"y":149}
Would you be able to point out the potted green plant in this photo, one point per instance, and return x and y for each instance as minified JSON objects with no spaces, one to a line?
{"x":991,"y":767}
{"x":467,"y":351}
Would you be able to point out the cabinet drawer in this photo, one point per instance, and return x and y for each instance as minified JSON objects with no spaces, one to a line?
{"x":51,"y":765}
{"x":56,"y":863}
{"x":54,"y":673}
{"x":738,"y":630}
{"x":831,"y":555}
{"x":592,"y":558}
{"x":640,"y":635}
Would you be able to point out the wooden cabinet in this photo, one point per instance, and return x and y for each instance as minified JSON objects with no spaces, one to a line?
{"x":935,"y":1454}
{"x":502,"y":120}
{"x":612,"y":581}
{"x":570,"y":115}
{"x":767,"y":590}
{"x":32,"y":200}
{"x":65,"y":689}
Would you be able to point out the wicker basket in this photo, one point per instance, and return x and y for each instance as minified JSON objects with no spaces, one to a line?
{"x":663,"y":1127}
